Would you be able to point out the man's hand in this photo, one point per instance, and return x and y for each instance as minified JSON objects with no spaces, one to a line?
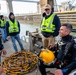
{"x":51,"y":45}
{"x":58,"y":72}
{"x":1,"y":70}
{"x":8,"y":37}
{"x":4,"y":52}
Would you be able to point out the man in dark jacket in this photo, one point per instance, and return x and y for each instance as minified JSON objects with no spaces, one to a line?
{"x":50,"y":26}
{"x":2,"y":51}
{"x":13,"y":30}
{"x":65,"y":53}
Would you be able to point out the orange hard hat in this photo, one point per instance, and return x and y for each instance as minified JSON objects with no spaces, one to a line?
{"x":47,"y":56}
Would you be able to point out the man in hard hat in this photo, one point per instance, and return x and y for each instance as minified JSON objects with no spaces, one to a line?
{"x":50,"y":26}
{"x":65,"y":60}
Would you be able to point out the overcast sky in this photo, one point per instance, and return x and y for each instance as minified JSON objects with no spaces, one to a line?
{"x":59,"y":1}
{"x":25,"y":7}
{"x":19,"y":7}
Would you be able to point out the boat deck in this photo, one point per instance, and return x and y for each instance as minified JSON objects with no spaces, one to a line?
{"x":8,"y":46}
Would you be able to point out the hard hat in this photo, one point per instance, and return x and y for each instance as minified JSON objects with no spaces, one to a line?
{"x":47,"y":56}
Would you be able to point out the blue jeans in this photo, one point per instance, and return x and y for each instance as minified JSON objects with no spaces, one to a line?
{"x":4,"y":35}
{"x":17,"y":37}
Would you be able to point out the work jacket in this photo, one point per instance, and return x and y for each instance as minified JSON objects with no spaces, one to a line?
{"x":47,"y":24}
{"x":13,"y":27}
{"x":66,"y":58}
{"x":55,"y":25}
{"x":2,"y":23}
{"x":1,"y":45}
{"x":8,"y":25}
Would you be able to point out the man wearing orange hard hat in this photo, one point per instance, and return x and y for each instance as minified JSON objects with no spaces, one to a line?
{"x":65,"y":54}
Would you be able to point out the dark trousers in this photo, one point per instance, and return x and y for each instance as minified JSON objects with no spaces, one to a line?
{"x":42,"y":67}
{"x":0,"y":57}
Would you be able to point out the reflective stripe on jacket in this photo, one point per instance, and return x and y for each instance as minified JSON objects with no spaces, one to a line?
{"x":13,"y":27}
{"x":47,"y":24}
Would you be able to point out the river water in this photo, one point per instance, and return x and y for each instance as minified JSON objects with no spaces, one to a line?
{"x":28,"y":27}
{"x":31,"y":27}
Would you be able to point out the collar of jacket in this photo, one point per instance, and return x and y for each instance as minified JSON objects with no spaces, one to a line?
{"x":48,"y":15}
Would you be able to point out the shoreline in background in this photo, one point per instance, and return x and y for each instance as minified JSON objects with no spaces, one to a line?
{"x":29,"y":22}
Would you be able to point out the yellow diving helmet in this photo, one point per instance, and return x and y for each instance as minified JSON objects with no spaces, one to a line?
{"x":47,"y":56}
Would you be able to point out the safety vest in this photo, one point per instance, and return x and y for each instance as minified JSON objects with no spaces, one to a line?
{"x":47,"y":24}
{"x":13,"y":27}
{"x":2,"y":23}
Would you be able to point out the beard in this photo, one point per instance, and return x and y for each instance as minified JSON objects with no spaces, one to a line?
{"x":47,"y":14}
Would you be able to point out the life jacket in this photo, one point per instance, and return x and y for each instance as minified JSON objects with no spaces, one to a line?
{"x":13,"y":27}
{"x":3,"y":22}
{"x":47,"y":24}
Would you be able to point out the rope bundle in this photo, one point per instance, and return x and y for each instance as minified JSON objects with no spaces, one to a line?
{"x":20,"y":63}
